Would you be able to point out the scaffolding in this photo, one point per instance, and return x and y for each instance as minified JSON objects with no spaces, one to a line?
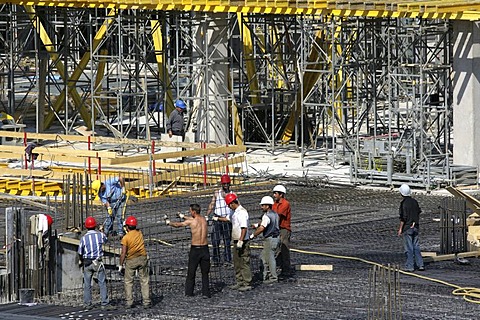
{"x":373,"y":92}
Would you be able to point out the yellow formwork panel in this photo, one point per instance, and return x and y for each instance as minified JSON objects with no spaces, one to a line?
{"x":51,"y":187}
{"x":12,"y":186}
{"x":3,"y":184}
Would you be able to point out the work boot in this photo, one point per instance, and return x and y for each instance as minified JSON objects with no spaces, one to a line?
{"x":235,"y":287}
{"x":245,"y":288}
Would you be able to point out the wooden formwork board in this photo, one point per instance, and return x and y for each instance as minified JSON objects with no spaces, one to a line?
{"x":102,"y":140}
{"x":138,"y":185}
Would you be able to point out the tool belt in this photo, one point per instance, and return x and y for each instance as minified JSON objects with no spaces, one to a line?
{"x":87,"y":262}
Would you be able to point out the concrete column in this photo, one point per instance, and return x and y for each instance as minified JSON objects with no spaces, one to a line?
{"x":211,"y":111}
{"x":466,"y":93}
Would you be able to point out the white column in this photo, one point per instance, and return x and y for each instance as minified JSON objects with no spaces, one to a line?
{"x":211,"y":110}
{"x":466,"y":93}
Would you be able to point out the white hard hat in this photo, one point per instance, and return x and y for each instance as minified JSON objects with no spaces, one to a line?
{"x":280,"y":188}
{"x":405,"y":190}
{"x":267,"y":200}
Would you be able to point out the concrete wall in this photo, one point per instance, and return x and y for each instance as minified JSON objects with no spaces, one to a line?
{"x":466,"y":93}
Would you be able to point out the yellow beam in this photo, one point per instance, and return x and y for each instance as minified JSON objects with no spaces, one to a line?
{"x":250,"y":63}
{"x":310,"y":78}
{"x":163,"y":74}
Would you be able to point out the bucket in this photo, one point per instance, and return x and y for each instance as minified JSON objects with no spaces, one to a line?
{"x":26,"y":295}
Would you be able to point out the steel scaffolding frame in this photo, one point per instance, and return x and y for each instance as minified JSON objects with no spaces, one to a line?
{"x":372,"y":91}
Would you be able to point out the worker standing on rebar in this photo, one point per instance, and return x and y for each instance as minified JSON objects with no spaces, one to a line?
{"x":175,"y":123}
{"x":90,"y":251}
{"x":282,"y":207}
{"x":222,"y":226}
{"x":113,"y":196}
{"x":134,"y":259}
{"x":271,"y":231}
{"x":199,"y":254}
{"x":240,"y":237}
{"x":408,"y":229}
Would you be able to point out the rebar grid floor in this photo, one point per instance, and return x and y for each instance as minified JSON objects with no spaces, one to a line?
{"x":351,"y":222}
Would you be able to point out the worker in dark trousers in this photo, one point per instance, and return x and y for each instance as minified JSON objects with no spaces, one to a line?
{"x":222,"y":227}
{"x":175,"y":123}
{"x":282,"y":207}
{"x":408,"y":229}
{"x":199,"y":254}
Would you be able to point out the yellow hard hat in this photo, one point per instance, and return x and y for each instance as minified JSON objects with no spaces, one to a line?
{"x":96,"y":184}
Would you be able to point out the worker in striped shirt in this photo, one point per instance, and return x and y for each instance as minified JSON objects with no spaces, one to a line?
{"x":90,"y":251}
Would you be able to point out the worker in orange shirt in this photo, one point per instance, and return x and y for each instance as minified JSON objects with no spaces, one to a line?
{"x":282,"y":207}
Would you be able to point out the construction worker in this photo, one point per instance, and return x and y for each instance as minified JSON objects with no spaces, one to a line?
{"x":282,"y":207}
{"x":199,"y":254}
{"x":90,"y":251}
{"x":240,"y":237}
{"x":134,"y":258}
{"x":222,"y":227}
{"x":408,"y":229}
{"x":175,"y":123}
{"x":113,"y":196}
{"x":269,"y":227}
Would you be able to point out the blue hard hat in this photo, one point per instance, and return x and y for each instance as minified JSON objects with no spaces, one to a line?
{"x":180,"y":104}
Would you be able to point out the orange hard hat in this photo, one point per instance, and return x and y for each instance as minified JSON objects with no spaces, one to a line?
{"x":90,"y":223}
{"x":131,"y":221}
{"x":229,"y":198}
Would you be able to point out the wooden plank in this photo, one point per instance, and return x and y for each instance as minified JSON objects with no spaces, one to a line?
{"x":101,"y":140}
{"x":46,"y":151}
{"x":314,"y":267}
{"x":445,"y":257}
{"x":178,"y":154}
{"x":76,"y":242}
{"x":428,"y":254}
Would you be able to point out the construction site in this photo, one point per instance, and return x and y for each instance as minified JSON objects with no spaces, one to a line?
{"x":339,"y":101}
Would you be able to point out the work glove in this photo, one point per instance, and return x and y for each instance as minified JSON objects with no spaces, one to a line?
{"x":165,"y":217}
{"x":255,"y":225}
{"x":215,"y":218}
{"x":124,"y":191}
{"x":121,"y":270}
{"x":167,"y":222}
{"x":251,"y":236}
{"x":110,"y":211}
{"x":181,"y":215}
{"x":239,"y":244}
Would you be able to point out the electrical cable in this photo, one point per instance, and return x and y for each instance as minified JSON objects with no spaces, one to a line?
{"x":469,"y":294}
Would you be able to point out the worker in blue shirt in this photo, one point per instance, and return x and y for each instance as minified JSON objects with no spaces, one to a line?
{"x":90,"y":251}
{"x":113,"y":196}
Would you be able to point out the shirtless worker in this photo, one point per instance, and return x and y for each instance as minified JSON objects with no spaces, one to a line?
{"x":199,"y":253}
